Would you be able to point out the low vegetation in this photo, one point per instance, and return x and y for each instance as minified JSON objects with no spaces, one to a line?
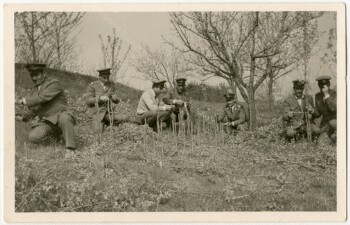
{"x":131,"y":168}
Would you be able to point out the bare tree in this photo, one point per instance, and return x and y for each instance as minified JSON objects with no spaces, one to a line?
{"x":159,"y":64}
{"x":46,"y":37}
{"x":32,"y":30}
{"x":291,"y":46}
{"x":241,"y":47}
{"x":62,"y":41}
{"x":112,"y":53}
{"x":330,"y":56}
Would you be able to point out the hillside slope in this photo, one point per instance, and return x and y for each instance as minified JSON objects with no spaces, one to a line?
{"x":75,"y":83}
{"x":130,"y":168}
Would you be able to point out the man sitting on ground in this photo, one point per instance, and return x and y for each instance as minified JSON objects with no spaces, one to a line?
{"x":233,"y":115}
{"x":326,"y":106}
{"x":179,"y":98}
{"x":101,"y":95}
{"x":151,"y":107}
{"x":48,"y":101}
{"x":297,"y":107}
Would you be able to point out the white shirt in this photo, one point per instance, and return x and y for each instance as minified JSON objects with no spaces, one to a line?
{"x":149,"y":101}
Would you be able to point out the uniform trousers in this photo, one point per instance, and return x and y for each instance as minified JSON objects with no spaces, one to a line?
{"x":46,"y":132}
{"x":98,"y":125}
{"x":291,"y":132}
{"x":327,"y":131}
{"x":150,"y":117}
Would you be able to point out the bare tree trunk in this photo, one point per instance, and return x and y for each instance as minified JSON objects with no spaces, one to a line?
{"x":251,"y":91}
{"x":233,"y":87}
{"x":271,"y":97}
{"x":32,"y":41}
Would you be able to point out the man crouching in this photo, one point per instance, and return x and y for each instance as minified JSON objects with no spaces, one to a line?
{"x":48,"y":101}
{"x":151,"y":108}
{"x":101,"y":95}
{"x":233,"y":115}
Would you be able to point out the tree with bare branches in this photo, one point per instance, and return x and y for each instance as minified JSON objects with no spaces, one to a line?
{"x":291,"y":48}
{"x":63,"y":24}
{"x":330,"y":55}
{"x":46,"y":37}
{"x":32,"y":30}
{"x":234,"y":45}
{"x":161,"y":64}
{"x":113,"y":55}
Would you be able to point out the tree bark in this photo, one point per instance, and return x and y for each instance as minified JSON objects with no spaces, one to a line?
{"x":251,"y":90}
{"x":271,"y":95}
{"x":269,"y":71}
{"x":32,"y":40}
{"x":233,"y":87}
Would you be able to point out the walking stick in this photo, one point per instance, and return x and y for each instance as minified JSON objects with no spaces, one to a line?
{"x":98,"y":117}
{"x":110,"y":115}
{"x":306,"y":114}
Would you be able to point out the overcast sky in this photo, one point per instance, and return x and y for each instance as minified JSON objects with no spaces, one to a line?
{"x":148,"y":28}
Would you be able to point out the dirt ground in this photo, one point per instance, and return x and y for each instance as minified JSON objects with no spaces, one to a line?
{"x":131,"y":168}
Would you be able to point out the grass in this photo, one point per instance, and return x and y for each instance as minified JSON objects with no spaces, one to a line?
{"x":134,"y":169}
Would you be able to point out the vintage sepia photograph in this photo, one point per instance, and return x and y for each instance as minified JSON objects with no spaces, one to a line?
{"x":182,"y":109}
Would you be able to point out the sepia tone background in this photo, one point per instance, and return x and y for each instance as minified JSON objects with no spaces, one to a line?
{"x":85,"y":57}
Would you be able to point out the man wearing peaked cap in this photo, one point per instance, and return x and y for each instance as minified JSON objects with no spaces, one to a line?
{"x":47,"y":101}
{"x":35,"y":67}
{"x":326,"y":106}
{"x":179,"y":98}
{"x":100,"y":99}
{"x":233,"y":115}
{"x":297,"y":107}
{"x":151,"y":107}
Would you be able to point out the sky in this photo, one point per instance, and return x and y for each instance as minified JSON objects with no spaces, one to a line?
{"x":139,"y":29}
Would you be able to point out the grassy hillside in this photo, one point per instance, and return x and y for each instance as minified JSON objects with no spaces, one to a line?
{"x":131,"y":168}
{"x":75,"y":83}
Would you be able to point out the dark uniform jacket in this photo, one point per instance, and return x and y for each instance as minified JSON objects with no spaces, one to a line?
{"x":291,"y":104}
{"x":327,"y":108}
{"x":234,"y":114}
{"x":171,"y":94}
{"x":96,"y":108}
{"x":47,"y":102}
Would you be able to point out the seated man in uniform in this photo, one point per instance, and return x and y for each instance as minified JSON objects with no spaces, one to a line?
{"x":180,"y":99}
{"x":233,"y":115}
{"x":48,"y":101}
{"x":297,"y":107}
{"x":151,"y":107}
{"x":326,"y":106}
{"x":101,"y":95}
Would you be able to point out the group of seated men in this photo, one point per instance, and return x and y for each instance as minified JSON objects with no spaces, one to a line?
{"x":47,"y":101}
{"x":300,"y":112}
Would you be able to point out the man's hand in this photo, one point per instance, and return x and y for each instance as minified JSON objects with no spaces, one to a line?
{"x":178,"y":102}
{"x":169,"y":107}
{"x":22,"y":101}
{"x":19,"y":118}
{"x":290,"y":114}
{"x":115,"y":98}
{"x":325,"y":91}
{"x":311,"y":109}
{"x":104,"y":98}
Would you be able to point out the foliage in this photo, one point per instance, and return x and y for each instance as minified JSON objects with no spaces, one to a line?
{"x":206,"y":93}
{"x":130,"y":168}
